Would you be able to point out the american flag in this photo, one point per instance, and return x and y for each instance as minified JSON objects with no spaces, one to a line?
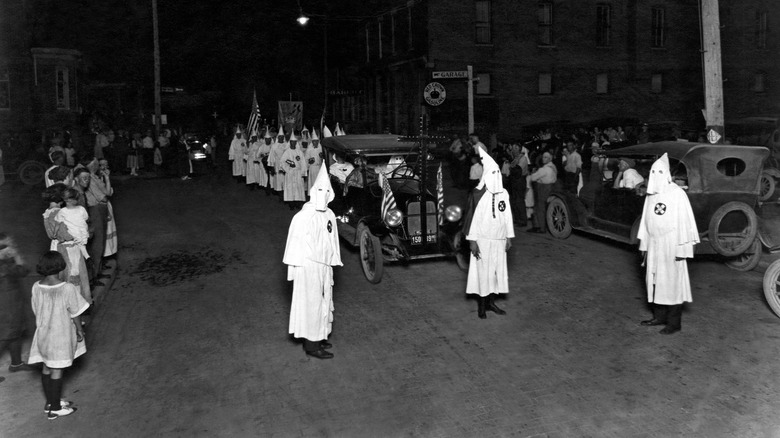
{"x":388,"y":200}
{"x":440,"y":195}
{"x":254,"y":117}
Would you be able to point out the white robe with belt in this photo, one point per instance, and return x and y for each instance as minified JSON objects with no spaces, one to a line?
{"x":236,"y":154}
{"x":274,"y":160}
{"x":252,"y":171}
{"x":311,"y":252}
{"x":314,"y":160}
{"x":490,"y":226}
{"x":667,"y":231}
{"x":294,"y":165}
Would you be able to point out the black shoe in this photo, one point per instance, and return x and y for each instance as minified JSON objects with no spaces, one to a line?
{"x":320,"y":354}
{"x":668,"y":330}
{"x":495,"y":309}
{"x":326,"y":345}
{"x":651,"y":322}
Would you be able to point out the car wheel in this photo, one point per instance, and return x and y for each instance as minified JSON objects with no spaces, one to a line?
{"x":733,"y":228}
{"x":558,"y":219}
{"x":371,"y":255}
{"x":771,"y":284}
{"x":766,"y":187}
{"x":31,"y":172}
{"x":748,"y":260}
{"x":461,"y":252}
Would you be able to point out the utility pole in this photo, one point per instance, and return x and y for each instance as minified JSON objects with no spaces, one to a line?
{"x":157,"y":105}
{"x":713,"y":76}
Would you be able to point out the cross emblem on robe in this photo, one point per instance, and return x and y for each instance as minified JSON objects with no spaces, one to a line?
{"x":660,"y":208}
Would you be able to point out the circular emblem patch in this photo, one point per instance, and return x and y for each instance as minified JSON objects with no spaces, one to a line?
{"x":660,"y":208}
{"x":501,"y":206}
{"x":330,"y":227}
{"x":297,"y":158}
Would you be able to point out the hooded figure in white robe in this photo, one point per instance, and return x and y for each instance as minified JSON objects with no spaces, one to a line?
{"x":275,"y":157}
{"x":252,"y":171}
{"x":261,"y":157}
{"x":293,"y":163}
{"x":488,"y":228}
{"x":236,"y":154}
{"x":311,"y":252}
{"x":667,"y":233}
{"x":314,"y":157}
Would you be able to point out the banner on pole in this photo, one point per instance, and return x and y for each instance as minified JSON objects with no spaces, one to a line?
{"x":291,"y":114}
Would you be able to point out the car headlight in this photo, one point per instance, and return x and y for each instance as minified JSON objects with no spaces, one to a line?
{"x":198,"y":155}
{"x":393,"y":217}
{"x":453,"y":213}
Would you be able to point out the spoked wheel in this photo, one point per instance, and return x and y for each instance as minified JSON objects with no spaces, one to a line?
{"x":558,"y":219}
{"x":771,"y":283}
{"x":461,"y":252}
{"x":371,"y":255}
{"x":748,"y":260}
{"x":766,"y":187}
{"x":31,"y":172}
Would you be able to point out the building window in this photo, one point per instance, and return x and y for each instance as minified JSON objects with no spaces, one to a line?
{"x":603,"y":25}
{"x":483,"y":22}
{"x":657,"y":27}
{"x":545,"y":22}
{"x":63,"y":88}
{"x":761,"y":30}
{"x":602,"y":83}
{"x":5,"y":89}
{"x":545,"y":83}
{"x":759,"y":82}
{"x":656,"y":83}
{"x":483,"y":83}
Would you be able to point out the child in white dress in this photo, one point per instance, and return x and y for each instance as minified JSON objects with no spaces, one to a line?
{"x":59,"y":337}
{"x":75,"y":219}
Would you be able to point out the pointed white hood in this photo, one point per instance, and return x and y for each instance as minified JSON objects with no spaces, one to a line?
{"x":321,"y":192}
{"x":326,"y":132}
{"x":660,"y":176}
{"x":491,"y":174}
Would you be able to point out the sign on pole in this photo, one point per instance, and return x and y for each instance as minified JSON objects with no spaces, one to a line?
{"x":460,"y":74}
{"x":434,"y":94}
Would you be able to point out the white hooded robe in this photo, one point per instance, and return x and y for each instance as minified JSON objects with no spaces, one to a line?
{"x":236,"y":155}
{"x":489,"y":224}
{"x":293,"y":162}
{"x":311,"y":252}
{"x":667,"y":231}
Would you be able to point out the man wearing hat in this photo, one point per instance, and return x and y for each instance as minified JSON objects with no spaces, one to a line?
{"x":489,"y":230}
{"x":311,"y":252}
{"x":667,"y":234}
{"x":627,"y":177}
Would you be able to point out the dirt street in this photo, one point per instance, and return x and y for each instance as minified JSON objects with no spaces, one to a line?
{"x":191,"y":340}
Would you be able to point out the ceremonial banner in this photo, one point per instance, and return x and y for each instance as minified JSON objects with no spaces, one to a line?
{"x":291,"y":114}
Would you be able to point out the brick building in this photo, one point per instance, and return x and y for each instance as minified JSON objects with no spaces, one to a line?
{"x":39,"y":87}
{"x":544,"y":61}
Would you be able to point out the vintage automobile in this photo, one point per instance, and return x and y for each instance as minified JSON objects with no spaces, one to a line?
{"x":722,"y":183}
{"x":411,"y":231}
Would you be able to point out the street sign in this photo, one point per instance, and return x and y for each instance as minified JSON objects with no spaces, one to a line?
{"x":434,"y":94}
{"x":459,"y":74}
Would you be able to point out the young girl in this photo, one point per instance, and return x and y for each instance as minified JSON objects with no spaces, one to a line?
{"x":58,"y":337}
{"x":75,"y":218}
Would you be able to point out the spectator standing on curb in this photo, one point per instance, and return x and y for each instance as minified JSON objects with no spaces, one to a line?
{"x":543,"y":180}
{"x":518,"y":172}
{"x":489,"y":229}
{"x":667,"y":234}
{"x":12,"y":303}
{"x":147,"y":150}
{"x":311,"y":252}
{"x":104,"y":174}
{"x":59,"y":336}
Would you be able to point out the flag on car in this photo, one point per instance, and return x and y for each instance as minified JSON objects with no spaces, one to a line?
{"x":440,"y":195}
{"x":388,"y":200}
{"x":254,"y":117}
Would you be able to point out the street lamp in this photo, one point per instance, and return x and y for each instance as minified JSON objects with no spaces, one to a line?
{"x":302,"y":19}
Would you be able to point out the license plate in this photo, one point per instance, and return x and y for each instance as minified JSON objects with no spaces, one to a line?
{"x":417,"y":240}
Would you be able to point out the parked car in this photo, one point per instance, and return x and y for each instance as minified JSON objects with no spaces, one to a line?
{"x":760,"y":131}
{"x":414,"y":229}
{"x":722,"y":184}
